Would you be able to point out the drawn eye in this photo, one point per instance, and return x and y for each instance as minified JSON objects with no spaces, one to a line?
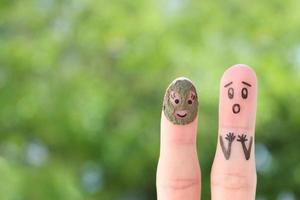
{"x":244,"y":93}
{"x":174,"y":98}
{"x":230,"y":93}
{"x":191,"y":98}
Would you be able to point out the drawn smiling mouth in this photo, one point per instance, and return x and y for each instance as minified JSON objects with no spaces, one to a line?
{"x":181,"y":113}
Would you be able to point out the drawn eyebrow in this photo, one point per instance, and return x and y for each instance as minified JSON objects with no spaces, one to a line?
{"x":246,"y":83}
{"x":228,"y":84}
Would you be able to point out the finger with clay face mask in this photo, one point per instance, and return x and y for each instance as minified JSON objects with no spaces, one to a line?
{"x":180,"y":103}
{"x":233,"y":175}
{"x":178,"y":170}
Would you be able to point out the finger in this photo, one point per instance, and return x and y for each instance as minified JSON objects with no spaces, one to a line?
{"x":233,"y":173}
{"x":178,"y":171}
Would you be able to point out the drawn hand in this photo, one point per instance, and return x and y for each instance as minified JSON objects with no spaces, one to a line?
{"x":230,"y":137}
{"x":242,"y":138}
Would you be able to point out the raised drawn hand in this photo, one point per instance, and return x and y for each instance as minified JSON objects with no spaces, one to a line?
{"x":247,"y":151}
{"x":227,"y":151}
{"x":230,"y":137}
{"x":242,"y":138}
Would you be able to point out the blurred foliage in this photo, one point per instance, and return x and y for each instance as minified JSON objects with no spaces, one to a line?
{"x":82,"y":82}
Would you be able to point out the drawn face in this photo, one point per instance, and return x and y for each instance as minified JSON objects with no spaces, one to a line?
{"x":236,"y":108}
{"x":238,"y":97}
{"x":181,"y":102}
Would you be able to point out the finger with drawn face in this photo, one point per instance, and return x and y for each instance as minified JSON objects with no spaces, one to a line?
{"x":233,"y":175}
{"x":178,"y":170}
{"x":180,"y":105}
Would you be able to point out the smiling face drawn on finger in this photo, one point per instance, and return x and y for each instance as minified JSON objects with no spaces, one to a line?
{"x":181,"y":102}
{"x":238,"y":97}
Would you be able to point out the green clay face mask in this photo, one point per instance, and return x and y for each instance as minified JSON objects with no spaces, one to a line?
{"x":181,"y":102}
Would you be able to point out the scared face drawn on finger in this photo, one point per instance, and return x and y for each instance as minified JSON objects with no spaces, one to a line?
{"x":238,"y":97}
{"x":181,"y":102}
{"x":237,"y":109}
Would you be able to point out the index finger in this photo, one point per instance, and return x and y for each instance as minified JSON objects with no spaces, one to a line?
{"x":178,"y":171}
{"x":233,"y":173}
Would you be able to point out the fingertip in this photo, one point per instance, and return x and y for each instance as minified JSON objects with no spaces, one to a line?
{"x":238,"y":93}
{"x":241,"y":70}
{"x":180,"y":104}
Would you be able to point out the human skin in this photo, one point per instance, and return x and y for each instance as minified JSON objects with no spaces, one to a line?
{"x":178,"y":171}
{"x":180,"y":104}
{"x":233,"y":175}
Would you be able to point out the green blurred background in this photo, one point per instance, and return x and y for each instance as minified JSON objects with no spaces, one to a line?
{"x":82,"y":83}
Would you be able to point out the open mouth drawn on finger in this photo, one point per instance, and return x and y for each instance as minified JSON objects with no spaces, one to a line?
{"x":236,"y":108}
